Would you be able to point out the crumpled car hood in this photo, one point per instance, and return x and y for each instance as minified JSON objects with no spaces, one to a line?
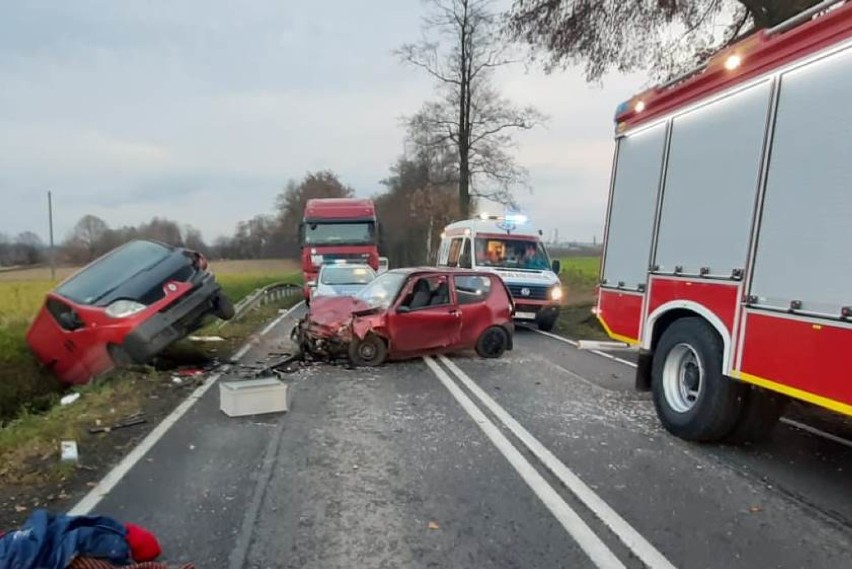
{"x":328,"y":314}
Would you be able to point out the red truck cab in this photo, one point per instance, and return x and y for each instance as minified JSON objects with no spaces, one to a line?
{"x":337,"y":230}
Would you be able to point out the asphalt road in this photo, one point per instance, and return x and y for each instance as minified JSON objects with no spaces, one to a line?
{"x":544,"y":458}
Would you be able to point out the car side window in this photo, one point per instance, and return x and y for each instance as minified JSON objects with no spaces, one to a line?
{"x":472,"y":289}
{"x":427,"y":292}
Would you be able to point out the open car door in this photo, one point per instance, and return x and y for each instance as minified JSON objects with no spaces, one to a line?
{"x":426,"y":316}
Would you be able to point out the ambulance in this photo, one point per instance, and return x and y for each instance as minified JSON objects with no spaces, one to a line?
{"x":507,"y":246}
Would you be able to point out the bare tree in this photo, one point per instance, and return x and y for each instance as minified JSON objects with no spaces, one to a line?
{"x":87,"y":238}
{"x":469,"y":115}
{"x":664,"y":36}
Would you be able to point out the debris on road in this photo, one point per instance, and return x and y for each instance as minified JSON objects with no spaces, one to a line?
{"x":206,"y":339}
{"x":68,"y":451}
{"x":130,"y":421}
{"x":253,"y":397}
{"x":69,"y":399}
{"x":434,"y":525}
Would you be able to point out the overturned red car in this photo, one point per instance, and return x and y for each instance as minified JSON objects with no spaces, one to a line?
{"x":125,"y":307}
{"x":407,"y":313}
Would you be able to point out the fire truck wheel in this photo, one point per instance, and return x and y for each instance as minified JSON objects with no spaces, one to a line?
{"x":370,"y":352}
{"x":761,"y":410}
{"x":694,"y":401}
{"x":492,"y":343}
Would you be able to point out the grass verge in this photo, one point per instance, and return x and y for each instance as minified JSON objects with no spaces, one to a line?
{"x":579,"y":277}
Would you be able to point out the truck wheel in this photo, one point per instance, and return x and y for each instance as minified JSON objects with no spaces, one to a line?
{"x":223,"y":308}
{"x":547,"y":323}
{"x":761,"y":410}
{"x":492,"y":343}
{"x":370,"y":352}
{"x":694,"y":401}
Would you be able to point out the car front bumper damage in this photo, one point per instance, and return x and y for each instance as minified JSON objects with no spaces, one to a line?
{"x":173,"y":322}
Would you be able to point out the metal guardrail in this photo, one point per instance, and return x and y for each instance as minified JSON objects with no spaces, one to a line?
{"x":263,"y":296}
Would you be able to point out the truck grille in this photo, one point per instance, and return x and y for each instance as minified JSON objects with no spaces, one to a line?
{"x":348,"y":257}
{"x":534,"y":292}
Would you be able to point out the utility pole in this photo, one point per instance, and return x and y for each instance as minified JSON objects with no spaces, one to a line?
{"x":51,"y":254}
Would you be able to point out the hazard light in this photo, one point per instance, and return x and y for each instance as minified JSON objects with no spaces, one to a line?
{"x":640,"y":106}
{"x":733,"y":62}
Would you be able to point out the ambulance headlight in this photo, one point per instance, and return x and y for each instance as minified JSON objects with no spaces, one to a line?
{"x":556,"y":293}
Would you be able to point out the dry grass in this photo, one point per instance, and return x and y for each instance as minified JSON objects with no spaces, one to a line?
{"x":579,"y":276}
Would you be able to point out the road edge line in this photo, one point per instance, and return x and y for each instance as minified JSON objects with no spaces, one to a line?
{"x":626,"y":533}
{"x":591,"y":544}
{"x":90,"y":501}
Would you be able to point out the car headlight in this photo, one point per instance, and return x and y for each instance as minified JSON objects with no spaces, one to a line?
{"x":124,"y":308}
{"x":556,"y":293}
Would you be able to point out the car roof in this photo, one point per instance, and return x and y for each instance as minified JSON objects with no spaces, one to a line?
{"x":347,"y":266}
{"x":442,"y":270}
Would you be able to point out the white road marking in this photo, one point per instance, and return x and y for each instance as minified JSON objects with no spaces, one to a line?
{"x":108,"y":482}
{"x":278,"y":320}
{"x":791,"y":422}
{"x":817,"y":432}
{"x":590,"y":543}
{"x":243,"y":351}
{"x":570,"y":342}
{"x":96,"y":494}
{"x":640,"y":547}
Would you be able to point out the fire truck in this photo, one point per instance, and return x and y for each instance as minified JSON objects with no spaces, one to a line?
{"x":335,"y":230}
{"x":729,"y":214}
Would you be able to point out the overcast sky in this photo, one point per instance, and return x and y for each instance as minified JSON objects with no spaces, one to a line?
{"x":201,"y":110}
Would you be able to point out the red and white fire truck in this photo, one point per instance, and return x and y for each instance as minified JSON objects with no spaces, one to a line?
{"x":729,"y":215}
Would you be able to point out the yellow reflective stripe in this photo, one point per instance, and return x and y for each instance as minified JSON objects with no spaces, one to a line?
{"x":831,"y":404}
{"x":613,"y":335}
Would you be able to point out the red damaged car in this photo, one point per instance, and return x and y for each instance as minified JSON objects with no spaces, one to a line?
{"x":125,"y":307}
{"x":407,"y":313}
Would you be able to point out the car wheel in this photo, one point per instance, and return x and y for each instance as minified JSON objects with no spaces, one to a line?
{"x":370,"y":352}
{"x":119,"y":356}
{"x":492,"y":343}
{"x":693,"y":399}
{"x":223,"y":308}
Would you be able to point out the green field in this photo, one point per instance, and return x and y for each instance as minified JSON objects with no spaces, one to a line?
{"x":579,"y":278}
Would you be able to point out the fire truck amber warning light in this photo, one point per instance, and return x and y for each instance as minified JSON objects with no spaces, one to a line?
{"x":733,"y":62}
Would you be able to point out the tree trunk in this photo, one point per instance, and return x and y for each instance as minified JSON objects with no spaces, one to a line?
{"x":464,"y":114}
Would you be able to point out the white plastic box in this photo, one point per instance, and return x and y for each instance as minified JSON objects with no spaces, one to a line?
{"x":253,"y":397}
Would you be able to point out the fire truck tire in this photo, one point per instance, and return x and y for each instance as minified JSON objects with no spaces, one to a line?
{"x":693,"y":399}
{"x":761,"y":410}
{"x":492,"y":343}
{"x":370,"y":352}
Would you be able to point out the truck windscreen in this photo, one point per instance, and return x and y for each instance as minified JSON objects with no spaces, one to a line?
{"x":508,"y":253}
{"x":349,"y":233}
